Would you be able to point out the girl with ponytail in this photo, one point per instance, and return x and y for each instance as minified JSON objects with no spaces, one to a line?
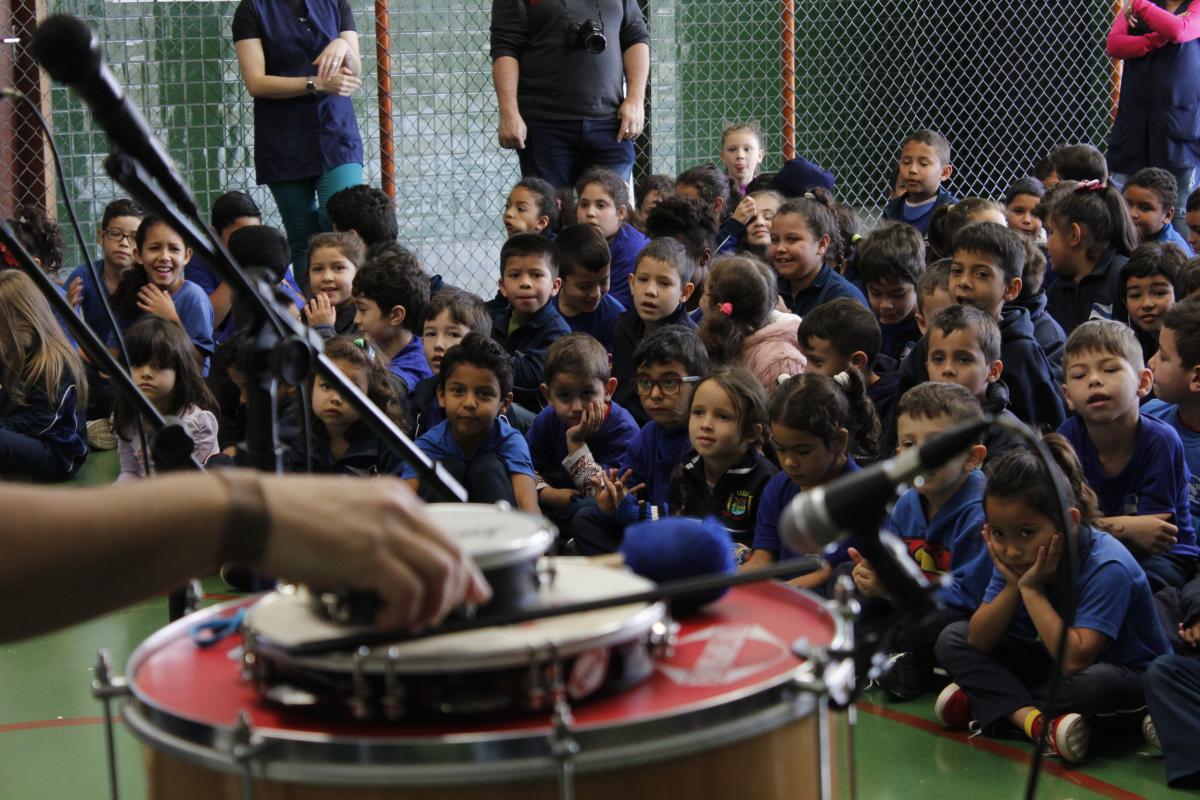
{"x":1000,"y":659}
{"x":740,"y":325}
{"x":805,"y":240}
{"x":819,"y":426}
{"x":1089,"y":237}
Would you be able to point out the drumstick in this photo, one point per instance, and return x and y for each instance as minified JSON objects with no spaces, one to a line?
{"x":664,"y":591}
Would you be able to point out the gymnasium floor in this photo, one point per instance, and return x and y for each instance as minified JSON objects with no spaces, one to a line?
{"x":51,"y":739}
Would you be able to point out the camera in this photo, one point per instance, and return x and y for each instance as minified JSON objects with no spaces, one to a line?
{"x":588,"y":35}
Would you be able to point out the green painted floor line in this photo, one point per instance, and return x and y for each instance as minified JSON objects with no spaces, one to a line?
{"x":901,"y":752}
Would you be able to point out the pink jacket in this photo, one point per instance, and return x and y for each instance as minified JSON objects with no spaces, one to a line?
{"x":772,"y":351}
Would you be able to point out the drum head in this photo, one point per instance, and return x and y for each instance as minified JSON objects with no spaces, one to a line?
{"x":285,"y":618}
{"x":494,"y":536}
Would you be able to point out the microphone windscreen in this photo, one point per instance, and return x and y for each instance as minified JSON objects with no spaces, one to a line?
{"x":67,"y":49}
{"x":675,"y":548}
{"x":261,"y":247}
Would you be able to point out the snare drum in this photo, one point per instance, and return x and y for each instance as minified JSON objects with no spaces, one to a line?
{"x":723,"y":716}
{"x":504,"y":544}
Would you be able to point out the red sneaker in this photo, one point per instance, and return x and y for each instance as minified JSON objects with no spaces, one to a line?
{"x":1068,"y":738}
{"x":953,"y":707}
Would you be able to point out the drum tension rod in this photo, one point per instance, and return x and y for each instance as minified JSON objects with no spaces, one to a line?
{"x":563,"y":745}
{"x":106,"y":687}
{"x":247,"y":746}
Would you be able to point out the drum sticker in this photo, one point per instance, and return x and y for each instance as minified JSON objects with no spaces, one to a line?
{"x":720,"y":655}
{"x":588,"y":673}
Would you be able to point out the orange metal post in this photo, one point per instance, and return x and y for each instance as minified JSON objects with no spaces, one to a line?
{"x":383,"y":60}
{"x":789,"y":79}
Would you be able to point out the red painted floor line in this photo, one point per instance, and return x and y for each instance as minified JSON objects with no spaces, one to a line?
{"x":37,"y":724}
{"x":996,"y":748}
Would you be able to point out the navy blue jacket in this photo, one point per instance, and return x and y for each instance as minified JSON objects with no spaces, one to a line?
{"x":56,"y":425}
{"x":1047,"y":331}
{"x":1157,"y":124}
{"x":1100,"y":295}
{"x":624,"y":250}
{"x":894,"y":210}
{"x":884,"y":394}
{"x":733,"y":500}
{"x":528,"y":345}
{"x":366,"y":455}
{"x":630,"y":330}
{"x":897,"y":338}
{"x":300,"y":137}
{"x":828,"y":285}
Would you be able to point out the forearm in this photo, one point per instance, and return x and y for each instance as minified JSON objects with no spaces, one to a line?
{"x":636,"y":60}
{"x":1122,"y":44}
{"x":990,"y":622}
{"x":119,"y":551}
{"x":273,"y":87}
{"x":353,"y":60}
{"x":1174,"y":28}
{"x":506,"y":73}
{"x":525,"y":491}
{"x":222,"y":303}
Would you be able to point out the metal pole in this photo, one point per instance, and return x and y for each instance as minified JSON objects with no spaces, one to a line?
{"x":789,"y":79}
{"x":383,"y":71}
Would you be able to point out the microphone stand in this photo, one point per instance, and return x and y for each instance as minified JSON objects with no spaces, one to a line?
{"x":280,"y":347}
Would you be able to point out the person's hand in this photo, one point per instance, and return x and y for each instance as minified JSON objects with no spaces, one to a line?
{"x":335,"y":56}
{"x":154,"y":300}
{"x":319,"y":311}
{"x":1044,"y":566}
{"x":611,"y":490}
{"x":632,"y":115}
{"x":865,"y":577}
{"x":746,"y":210}
{"x":512,"y":132}
{"x":342,"y":83}
{"x":1190,"y":634}
{"x":1009,"y":576}
{"x":370,"y":535}
{"x":557,"y":498}
{"x":1148,"y":533}
{"x":75,"y":292}
{"x":589,"y":422}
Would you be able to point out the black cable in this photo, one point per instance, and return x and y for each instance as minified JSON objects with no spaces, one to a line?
{"x":93,"y":268}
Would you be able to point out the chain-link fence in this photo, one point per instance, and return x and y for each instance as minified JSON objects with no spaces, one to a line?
{"x":1005,"y":81}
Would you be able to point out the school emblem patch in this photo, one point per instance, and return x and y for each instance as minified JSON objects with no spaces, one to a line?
{"x":739,"y":503}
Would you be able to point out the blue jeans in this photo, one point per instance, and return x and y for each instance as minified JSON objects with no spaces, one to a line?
{"x":302,"y":206}
{"x":558,"y":151}
{"x":1184,"y":179}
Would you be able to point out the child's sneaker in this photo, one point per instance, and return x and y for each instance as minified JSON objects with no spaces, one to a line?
{"x":100,"y":435}
{"x":1150,"y":733}
{"x":1069,"y":737}
{"x":953,"y":707}
{"x":901,"y":676}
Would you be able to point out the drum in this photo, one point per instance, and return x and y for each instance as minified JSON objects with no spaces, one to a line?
{"x":505,"y":544}
{"x":723,"y":715}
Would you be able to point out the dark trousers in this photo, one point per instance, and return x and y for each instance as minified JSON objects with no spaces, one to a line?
{"x":28,"y":457}
{"x":558,"y":151}
{"x":1165,"y":569}
{"x":485,"y":477}
{"x":595,"y":533}
{"x":1015,"y":675}
{"x":1173,"y":696}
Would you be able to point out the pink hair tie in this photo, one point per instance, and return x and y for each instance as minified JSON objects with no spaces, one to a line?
{"x":726,"y":309}
{"x":1090,"y":186}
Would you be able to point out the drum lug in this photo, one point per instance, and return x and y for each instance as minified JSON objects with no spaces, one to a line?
{"x":662,"y":638}
{"x":193,"y":596}
{"x":563,"y":745}
{"x":393,"y":700}
{"x":360,"y":702}
{"x":247,"y":747}
{"x":536,"y":690}
{"x":547,"y":572}
{"x":252,"y":667}
{"x":106,"y":687}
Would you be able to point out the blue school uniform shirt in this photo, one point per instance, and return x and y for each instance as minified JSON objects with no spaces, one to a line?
{"x":200,"y":273}
{"x":897,"y":209}
{"x":624,"y":249}
{"x":1114,"y":599}
{"x":92,"y":305}
{"x":897,"y":338}
{"x":828,"y":285}
{"x":196,"y":314}
{"x":1168,"y":235}
{"x":653,"y":454}
{"x":778,"y":493}
{"x":1155,"y":481}
{"x":600,"y":324}
{"x":504,"y":441}
{"x":950,"y":542}
{"x":547,"y":440}
{"x":1169,"y":413}
{"x":409,"y":365}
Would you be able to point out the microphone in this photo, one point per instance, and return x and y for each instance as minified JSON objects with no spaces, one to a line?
{"x":68,"y":49}
{"x":827,"y":514}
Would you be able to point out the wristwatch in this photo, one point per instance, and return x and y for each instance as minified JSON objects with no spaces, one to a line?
{"x":311,"y":86}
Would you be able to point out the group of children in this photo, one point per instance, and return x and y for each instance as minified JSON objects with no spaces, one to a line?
{"x":732,"y":340}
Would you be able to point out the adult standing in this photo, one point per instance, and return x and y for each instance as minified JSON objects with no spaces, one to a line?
{"x":1158,"y":115}
{"x":300,"y":62}
{"x":570,"y":77}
